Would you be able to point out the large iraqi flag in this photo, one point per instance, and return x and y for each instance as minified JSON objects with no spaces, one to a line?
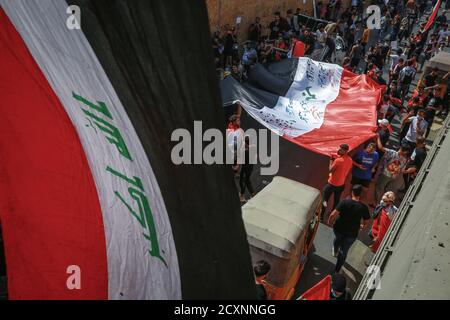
{"x":87,"y":183}
{"x":314,"y":104}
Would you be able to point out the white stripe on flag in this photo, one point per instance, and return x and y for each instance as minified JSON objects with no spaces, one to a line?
{"x":70,"y":66}
{"x":316,"y":84}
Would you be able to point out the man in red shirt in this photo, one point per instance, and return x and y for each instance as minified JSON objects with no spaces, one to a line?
{"x":340,"y":167}
{"x":298,"y":48}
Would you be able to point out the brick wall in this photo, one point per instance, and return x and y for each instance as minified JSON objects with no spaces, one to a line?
{"x":223,"y":12}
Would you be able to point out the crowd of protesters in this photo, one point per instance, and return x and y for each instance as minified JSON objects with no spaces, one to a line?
{"x":403,"y":47}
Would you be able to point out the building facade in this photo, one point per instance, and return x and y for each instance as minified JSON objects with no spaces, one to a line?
{"x":223,"y":13}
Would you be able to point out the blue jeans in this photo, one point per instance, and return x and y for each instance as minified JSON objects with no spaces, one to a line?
{"x":341,"y":244}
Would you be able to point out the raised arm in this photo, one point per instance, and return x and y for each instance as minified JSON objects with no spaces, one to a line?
{"x":380,"y":145}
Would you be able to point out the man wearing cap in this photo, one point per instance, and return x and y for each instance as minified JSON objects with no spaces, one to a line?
{"x":392,"y":169}
{"x":339,"y":288}
{"x":384,"y":132}
{"x":339,"y":169}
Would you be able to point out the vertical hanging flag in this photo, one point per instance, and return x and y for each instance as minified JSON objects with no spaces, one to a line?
{"x":88,"y":191}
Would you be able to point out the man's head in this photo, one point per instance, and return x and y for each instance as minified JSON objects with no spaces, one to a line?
{"x":261,"y":269}
{"x":370,"y":148}
{"x":338,"y":284}
{"x":388,"y":198}
{"x":343,"y":149}
{"x":401,"y":61}
{"x":420,"y":141}
{"x":404,"y":150}
{"x":257,"y":19}
{"x":357,"y":190}
{"x":276,"y":16}
{"x":399,"y":51}
{"x":421,"y":113}
{"x":234,"y":69}
{"x":394,"y":85}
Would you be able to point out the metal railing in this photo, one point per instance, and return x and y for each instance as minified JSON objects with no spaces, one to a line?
{"x":387,"y":246}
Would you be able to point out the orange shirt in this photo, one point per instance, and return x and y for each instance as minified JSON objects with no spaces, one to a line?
{"x":341,"y":168}
{"x":298,"y":49}
{"x":365,"y":36}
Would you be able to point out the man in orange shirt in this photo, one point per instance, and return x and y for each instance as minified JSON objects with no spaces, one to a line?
{"x":339,"y":168}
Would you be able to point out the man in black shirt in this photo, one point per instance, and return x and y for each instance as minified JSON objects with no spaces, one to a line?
{"x":254,"y":31}
{"x":433,"y":104}
{"x":308,"y":39}
{"x":261,"y":270}
{"x":279,"y":25}
{"x":430,"y":79}
{"x":417,"y":159}
{"x":347,"y":216}
{"x":379,"y":77}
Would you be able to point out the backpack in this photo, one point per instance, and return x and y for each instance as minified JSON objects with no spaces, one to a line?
{"x":409,"y":75}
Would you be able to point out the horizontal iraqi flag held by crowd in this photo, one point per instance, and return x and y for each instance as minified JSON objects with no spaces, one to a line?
{"x":91,"y":205}
{"x":313,"y":104}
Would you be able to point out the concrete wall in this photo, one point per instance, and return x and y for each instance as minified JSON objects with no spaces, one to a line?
{"x":223,"y":12}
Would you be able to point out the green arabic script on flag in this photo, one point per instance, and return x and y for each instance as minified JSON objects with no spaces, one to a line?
{"x":136,"y":190}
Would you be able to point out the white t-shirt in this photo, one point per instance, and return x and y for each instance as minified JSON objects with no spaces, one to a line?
{"x":411,"y":136}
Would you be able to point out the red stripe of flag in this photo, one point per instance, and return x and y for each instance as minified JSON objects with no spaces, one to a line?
{"x":49,"y":207}
{"x":433,"y":16}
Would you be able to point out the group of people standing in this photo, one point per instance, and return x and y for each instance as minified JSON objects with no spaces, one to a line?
{"x":390,"y":171}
